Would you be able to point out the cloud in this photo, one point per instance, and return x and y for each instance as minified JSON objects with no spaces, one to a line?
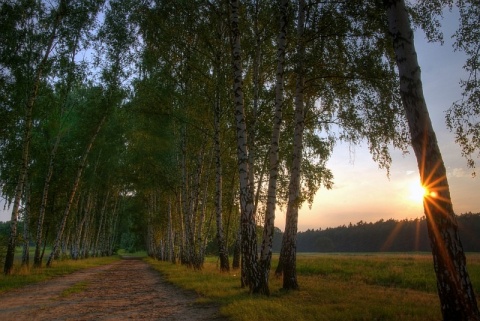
{"x":458,"y":172}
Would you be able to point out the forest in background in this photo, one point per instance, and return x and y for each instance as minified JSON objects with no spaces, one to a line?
{"x":382,"y":236}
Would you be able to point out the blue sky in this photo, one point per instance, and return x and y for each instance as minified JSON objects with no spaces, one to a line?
{"x":362,"y":191}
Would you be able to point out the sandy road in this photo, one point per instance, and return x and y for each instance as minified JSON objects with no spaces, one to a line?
{"x":124,"y":290}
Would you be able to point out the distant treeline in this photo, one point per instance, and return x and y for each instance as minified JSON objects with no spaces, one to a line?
{"x":390,"y":235}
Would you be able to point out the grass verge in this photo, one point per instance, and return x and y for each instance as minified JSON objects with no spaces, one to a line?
{"x":23,"y":276}
{"x":332,"y":287}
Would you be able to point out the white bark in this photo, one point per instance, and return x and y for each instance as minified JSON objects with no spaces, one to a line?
{"x":249,"y":242}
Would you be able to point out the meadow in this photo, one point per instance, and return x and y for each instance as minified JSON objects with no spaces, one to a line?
{"x":332,"y":287}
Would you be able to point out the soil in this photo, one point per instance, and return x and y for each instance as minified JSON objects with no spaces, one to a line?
{"x":128,"y":289}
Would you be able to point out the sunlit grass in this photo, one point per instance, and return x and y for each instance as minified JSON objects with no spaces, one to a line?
{"x":409,"y":271}
{"x":22,"y":276}
{"x":332,"y":287}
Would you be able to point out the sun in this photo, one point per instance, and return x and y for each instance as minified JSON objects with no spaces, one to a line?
{"x":417,"y":192}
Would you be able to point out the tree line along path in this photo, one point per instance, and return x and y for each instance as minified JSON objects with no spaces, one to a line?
{"x":128,"y":289}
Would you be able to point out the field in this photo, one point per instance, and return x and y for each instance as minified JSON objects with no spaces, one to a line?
{"x":332,"y":287}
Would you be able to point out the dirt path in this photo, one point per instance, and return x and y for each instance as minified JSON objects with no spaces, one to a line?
{"x":124,"y":290}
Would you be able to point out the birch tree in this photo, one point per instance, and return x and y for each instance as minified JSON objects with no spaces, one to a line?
{"x":222,"y":246}
{"x":31,"y":16}
{"x":338,"y":90}
{"x":457,"y":297}
{"x":289,"y":240}
{"x":248,"y":226}
{"x":269,"y":225}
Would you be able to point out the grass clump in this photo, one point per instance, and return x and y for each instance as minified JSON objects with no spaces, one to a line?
{"x":332,"y":287}
{"x":76,"y":288}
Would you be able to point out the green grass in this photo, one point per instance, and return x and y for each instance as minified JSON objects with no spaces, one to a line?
{"x":23,"y":276}
{"x":332,"y":287}
{"x":134,"y":254}
{"x":76,"y":288}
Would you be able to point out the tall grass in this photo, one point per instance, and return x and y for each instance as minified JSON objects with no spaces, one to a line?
{"x":332,"y":287}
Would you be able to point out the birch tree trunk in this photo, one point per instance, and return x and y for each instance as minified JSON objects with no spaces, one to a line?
{"x":150,"y":229}
{"x":201,"y":239}
{"x":83,"y":247}
{"x":183,"y":198}
{"x":247,"y":220}
{"x":269,"y":226}
{"x":26,"y":228}
{"x":289,"y":241}
{"x":75,"y":252}
{"x":96,"y":251}
{"x":222,"y":248}
{"x":113,"y":227}
{"x":457,"y":298}
{"x":76,"y":182}
{"x":252,"y":128}
{"x":192,"y":248}
{"x":182,"y":235}
{"x":171,"y":243}
{"x":37,"y":261}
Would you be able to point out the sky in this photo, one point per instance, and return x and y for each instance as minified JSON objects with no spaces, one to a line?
{"x":362,"y":191}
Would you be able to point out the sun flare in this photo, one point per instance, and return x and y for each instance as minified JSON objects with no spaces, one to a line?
{"x":417,"y":192}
